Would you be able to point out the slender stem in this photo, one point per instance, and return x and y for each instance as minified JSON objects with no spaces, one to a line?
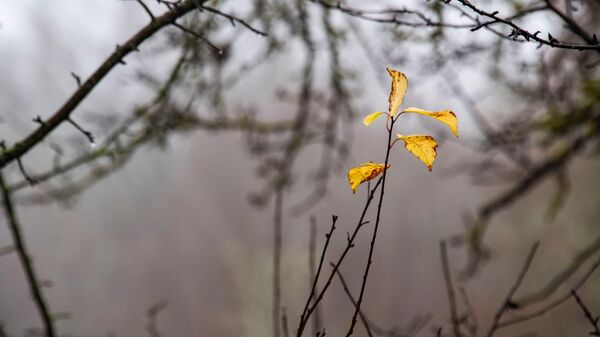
{"x":21,"y":249}
{"x":362,"y":316}
{"x":507,"y":302}
{"x":450,"y":289}
{"x":588,"y":315}
{"x":312,"y":260}
{"x":349,"y":245}
{"x":374,"y":237}
{"x":313,"y":289}
{"x":277,"y":237}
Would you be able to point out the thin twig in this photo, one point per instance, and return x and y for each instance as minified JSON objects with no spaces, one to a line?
{"x":87,"y":133}
{"x":349,"y":245}
{"x":306,"y":311}
{"x":375,"y":229}
{"x":199,"y":36}
{"x":449,"y":289}
{"x":588,"y":314}
{"x":77,"y":79}
{"x":472,"y":325}
{"x":24,"y":257}
{"x":233,"y":19}
{"x":507,"y":303}
{"x":284,"y":323}
{"x":351,"y":298}
{"x":277,"y":238}
{"x":148,"y":11}
{"x":560,"y":278}
{"x":31,"y":181}
{"x":312,"y":261}
{"x":551,"y":305}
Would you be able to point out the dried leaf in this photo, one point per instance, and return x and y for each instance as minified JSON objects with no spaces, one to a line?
{"x":445,"y":116}
{"x":372,"y":117}
{"x":363,"y":172}
{"x":399,"y":85}
{"x":422,"y":146}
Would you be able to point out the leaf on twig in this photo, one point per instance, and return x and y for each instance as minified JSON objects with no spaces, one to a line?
{"x":399,"y":85}
{"x":363,"y":172}
{"x":372,"y":117}
{"x":422,"y":146}
{"x":445,"y":116}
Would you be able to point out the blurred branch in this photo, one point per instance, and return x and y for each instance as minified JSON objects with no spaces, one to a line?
{"x":450,"y":290}
{"x":277,"y":243}
{"x":312,"y":264}
{"x":388,"y":16}
{"x":588,"y":315}
{"x":25,"y":258}
{"x":2,"y":331}
{"x":558,"y":280}
{"x":64,"y":112}
{"x":176,"y":10}
{"x":152,"y":315}
{"x":6,"y":250}
{"x":233,"y":19}
{"x":471,"y":318}
{"x":508,"y":303}
{"x":551,"y":305}
{"x":363,"y":319}
{"x":284,"y":323}
{"x":573,"y":25}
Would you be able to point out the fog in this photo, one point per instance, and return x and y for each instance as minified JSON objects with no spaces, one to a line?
{"x":176,"y":224}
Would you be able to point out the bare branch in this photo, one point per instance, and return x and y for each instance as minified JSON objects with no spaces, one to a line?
{"x":576,"y":262}
{"x":588,"y":315}
{"x":64,"y":112}
{"x":233,"y":19}
{"x":25,"y":258}
{"x":546,"y":308}
{"x":351,"y":298}
{"x":450,"y":289}
{"x":507,"y":303}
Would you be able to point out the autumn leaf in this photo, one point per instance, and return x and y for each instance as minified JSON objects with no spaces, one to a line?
{"x":399,"y":85}
{"x":363,"y":172}
{"x":372,"y":117}
{"x":445,"y":116}
{"x":422,"y":146}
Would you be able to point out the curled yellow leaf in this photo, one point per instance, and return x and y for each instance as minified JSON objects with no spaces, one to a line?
{"x":422,"y":146}
{"x":363,"y":172}
{"x":445,"y":116}
{"x":399,"y":85}
{"x":372,"y":117}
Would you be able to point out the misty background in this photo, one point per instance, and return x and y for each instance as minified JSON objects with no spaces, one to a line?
{"x":176,"y":223}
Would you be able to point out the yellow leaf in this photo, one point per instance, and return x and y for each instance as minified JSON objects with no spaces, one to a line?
{"x":363,"y":172}
{"x":399,"y":85}
{"x":445,"y":116}
{"x":372,"y":117}
{"x":422,"y":146}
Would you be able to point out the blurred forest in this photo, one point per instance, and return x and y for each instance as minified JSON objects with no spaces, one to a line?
{"x":179,"y":168}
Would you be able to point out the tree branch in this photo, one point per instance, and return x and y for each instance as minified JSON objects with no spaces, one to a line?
{"x":25,"y":259}
{"x":63,"y":113}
